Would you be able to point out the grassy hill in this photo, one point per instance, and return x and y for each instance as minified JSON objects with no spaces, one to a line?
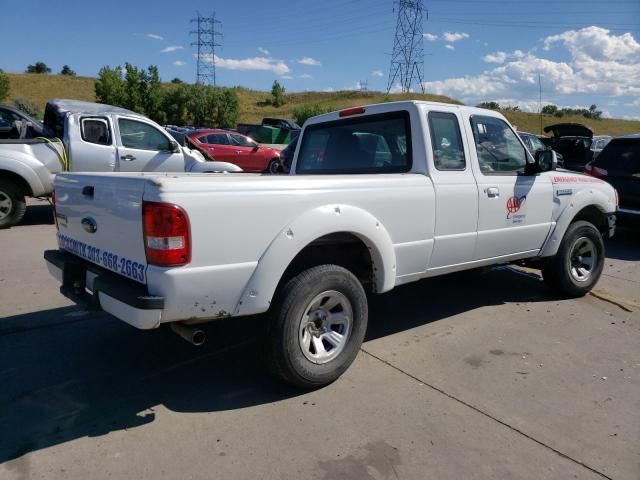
{"x":253,"y":105}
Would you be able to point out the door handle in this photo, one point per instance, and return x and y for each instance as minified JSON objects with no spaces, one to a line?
{"x":493,"y":192}
{"x":127,"y":158}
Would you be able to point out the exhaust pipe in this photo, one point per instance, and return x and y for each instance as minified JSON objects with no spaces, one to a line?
{"x":193,"y":335}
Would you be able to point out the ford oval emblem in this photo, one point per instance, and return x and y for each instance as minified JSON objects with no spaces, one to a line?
{"x":89,"y":224}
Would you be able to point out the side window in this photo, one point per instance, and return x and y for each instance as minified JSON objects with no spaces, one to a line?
{"x":499,"y":150}
{"x":7,"y":119}
{"x":241,"y":141}
{"x":218,"y":139}
{"x":370,"y":144}
{"x":142,"y":136}
{"x":446,"y":141}
{"x":95,"y":130}
{"x":204,"y":139}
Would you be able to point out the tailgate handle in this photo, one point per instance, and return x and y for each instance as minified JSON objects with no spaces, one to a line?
{"x":87,"y":191}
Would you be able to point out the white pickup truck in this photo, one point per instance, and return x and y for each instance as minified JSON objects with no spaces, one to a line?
{"x":86,"y":137}
{"x":378,"y":196}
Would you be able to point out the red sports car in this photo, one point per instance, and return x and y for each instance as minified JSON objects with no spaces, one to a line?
{"x":232,"y":147}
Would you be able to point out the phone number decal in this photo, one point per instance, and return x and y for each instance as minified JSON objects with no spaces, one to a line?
{"x":111,"y":261}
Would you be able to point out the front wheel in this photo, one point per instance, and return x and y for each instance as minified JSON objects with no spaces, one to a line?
{"x":12,"y":204}
{"x":318,"y":323}
{"x":274,"y":166}
{"x":577,"y":266}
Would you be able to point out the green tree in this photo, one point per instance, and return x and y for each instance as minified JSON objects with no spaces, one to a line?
{"x":5,"y":85}
{"x":201,"y":105}
{"x":277,"y":94}
{"x":227,"y":108}
{"x":549,"y":109}
{"x":152,"y":95}
{"x":176,"y":80}
{"x":66,"y":70}
{"x":109,"y":86}
{"x":134,"y":88}
{"x":175,"y":103}
{"x":38,"y":67}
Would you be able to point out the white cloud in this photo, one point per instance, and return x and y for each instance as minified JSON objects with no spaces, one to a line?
{"x":306,"y":76}
{"x":593,"y":69}
{"x":309,"y":61}
{"x":357,"y":86}
{"x":631,"y":117}
{"x":154,"y":36}
{"x":635,"y":103}
{"x":179,"y":63}
{"x":263,"y":51}
{"x":377,"y":73}
{"x":286,"y":77}
{"x":450,"y":47}
{"x":171,"y":48}
{"x":496,"y":57}
{"x":454,"y":36}
{"x":597,"y":44}
{"x":430,"y":37}
{"x":256,"y":63}
{"x":328,"y":90}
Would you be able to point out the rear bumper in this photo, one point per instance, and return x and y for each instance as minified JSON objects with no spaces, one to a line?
{"x":95,"y":288}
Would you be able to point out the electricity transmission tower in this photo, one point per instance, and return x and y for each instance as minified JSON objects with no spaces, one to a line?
{"x":206,"y":42}
{"x":407,"y":58}
{"x":364,"y":86}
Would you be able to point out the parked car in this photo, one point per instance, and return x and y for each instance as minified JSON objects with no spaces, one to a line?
{"x":286,"y":155}
{"x":397,"y":195}
{"x":598,"y":143}
{"x":534,"y":144}
{"x":16,"y":125}
{"x":87,"y":137}
{"x":281,"y":123}
{"x":572,"y":141}
{"x":238,"y":149}
{"x":619,"y":164}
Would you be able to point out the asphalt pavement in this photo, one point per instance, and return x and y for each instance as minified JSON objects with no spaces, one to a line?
{"x":469,"y":376}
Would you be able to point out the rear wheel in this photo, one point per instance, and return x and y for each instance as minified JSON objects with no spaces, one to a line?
{"x":12,"y":204}
{"x":577,"y":266}
{"x":317,"y":327}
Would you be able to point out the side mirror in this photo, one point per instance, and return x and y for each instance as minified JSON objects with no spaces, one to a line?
{"x":545,"y":160}
{"x":174,"y":147}
{"x":256,"y":147}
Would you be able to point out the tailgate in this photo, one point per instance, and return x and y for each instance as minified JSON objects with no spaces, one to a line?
{"x":99,"y":218}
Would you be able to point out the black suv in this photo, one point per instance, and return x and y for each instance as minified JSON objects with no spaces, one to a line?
{"x":619,"y":164}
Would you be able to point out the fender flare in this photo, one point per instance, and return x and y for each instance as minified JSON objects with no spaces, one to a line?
{"x":301,"y":232}
{"x":25,"y":172}
{"x":589,"y":197}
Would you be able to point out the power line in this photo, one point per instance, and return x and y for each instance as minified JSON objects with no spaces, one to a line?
{"x":407,"y":57}
{"x":206,"y":42}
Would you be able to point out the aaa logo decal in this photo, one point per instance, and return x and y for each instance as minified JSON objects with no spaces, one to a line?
{"x":514,"y":204}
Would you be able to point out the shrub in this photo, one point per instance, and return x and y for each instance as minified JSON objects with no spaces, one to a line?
{"x":28,"y":107}
{"x":301,"y":114}
{"x":66,"y":70}
{"x":38,"y":67}
{"x":277,"y":94}
{"x":5,"y":85}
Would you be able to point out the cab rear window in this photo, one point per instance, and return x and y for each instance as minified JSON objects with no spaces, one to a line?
{"x":371,"y":144}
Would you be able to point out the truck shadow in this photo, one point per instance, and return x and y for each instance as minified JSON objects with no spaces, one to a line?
{"x":39,"y":214}
{"x":625,"y":244}
{"x":65,"y":378}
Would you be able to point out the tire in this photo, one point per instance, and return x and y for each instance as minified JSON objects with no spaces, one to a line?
{"x":577,"y":266}
{"x":274,"y":166}
{"x":304,"y":348}
{"x":12,"y":204}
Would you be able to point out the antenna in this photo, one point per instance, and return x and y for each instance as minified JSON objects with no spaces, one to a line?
{"x":206,"y":42}
{"x":407,"y":58}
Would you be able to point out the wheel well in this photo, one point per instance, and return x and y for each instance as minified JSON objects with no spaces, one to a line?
{"x":16,"y":179}
{"x":344,"y":249}
{"x":595,"y":216}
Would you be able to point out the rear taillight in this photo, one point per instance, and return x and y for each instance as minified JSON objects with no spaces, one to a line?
{"x":167,"y":242}
{"x":595,"y":171}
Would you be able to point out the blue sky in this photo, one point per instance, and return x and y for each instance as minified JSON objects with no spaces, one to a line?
{"x":586,"y":51}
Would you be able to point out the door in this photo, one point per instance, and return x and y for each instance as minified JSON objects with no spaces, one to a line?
{"x":251,"y":158}
{"x":514,"y":209}
{"x":218,"y":146}
{"x":143,"y":147}
{"x":92,"y":147}
{"x":456,"y":191}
